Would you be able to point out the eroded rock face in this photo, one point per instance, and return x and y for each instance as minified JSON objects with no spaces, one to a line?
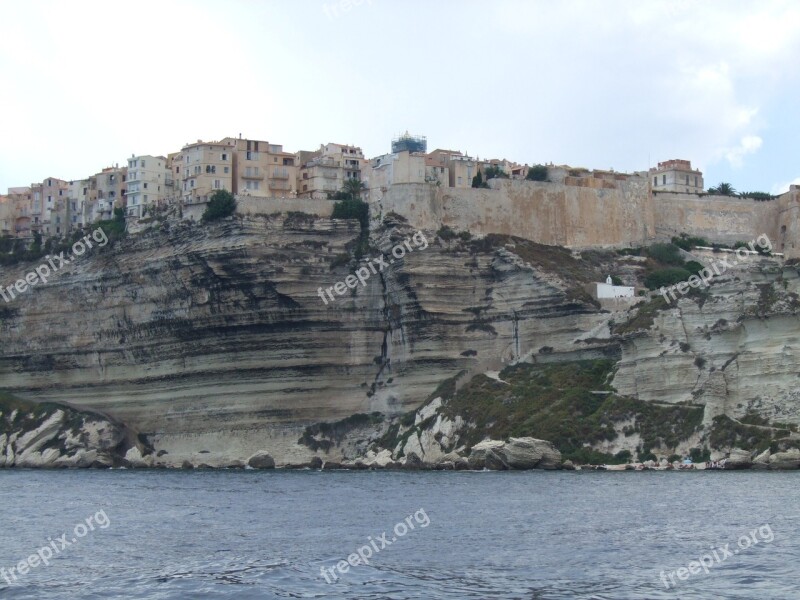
{"x":213,"y":343}
{"x":785,"y":461}
{"x":51,"y":436}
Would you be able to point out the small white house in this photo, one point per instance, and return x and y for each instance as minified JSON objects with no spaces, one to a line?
{"x":608,"y":290}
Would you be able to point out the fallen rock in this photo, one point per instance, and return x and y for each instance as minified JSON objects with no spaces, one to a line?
{"x":738,"y":459}
{"x":413,"y":462}
{"x":261,"y":460}
{"x":568,"y":465}
{"x":522,"y":453}
{"x":315,"y":463}
{"x":187,"y":465}
{"x":462,"y":464}
{"x":477,"y":457}
{"x":784,"y":461}
{"x":762,"y":460}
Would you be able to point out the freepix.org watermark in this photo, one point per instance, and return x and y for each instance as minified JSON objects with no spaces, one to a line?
{"x":717,"y":268}
{"x":373,"y":547}
{"x":47,"y":269}
{"x":362,"y":274}
{"x":55,"y":547}
{"x":717,"y":556}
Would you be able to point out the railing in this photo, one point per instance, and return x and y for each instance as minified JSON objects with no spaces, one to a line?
{"x":280,"y":185}
{"x":280,"y":175}
{"x":245,"y":175}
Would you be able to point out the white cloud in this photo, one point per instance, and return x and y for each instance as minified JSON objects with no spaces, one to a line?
{"x":782,"y":188}
{"x":749,"y":144}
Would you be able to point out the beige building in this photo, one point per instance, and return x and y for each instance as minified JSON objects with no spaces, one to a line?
{"x":80,"y":207}
{"x":324,"y":172}
{"x":676,"y":176}
{"x":7,"y":217}
{"x":107,"y":191}
{"x":404,"y":167}
{"x":262,"y":169}
{"x":147,"y":184}
{"x":461,"y":168}
{"x":205,"y":167}
{"x":21,"y":199}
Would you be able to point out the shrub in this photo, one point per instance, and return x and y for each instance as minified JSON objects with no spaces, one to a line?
{"x":686,"y":242}
{"x":668,"y":254}
{"x":666,"y":277}
{"x":537,"y":173}
{"x":222,"y":204}
{"x":351,"y":208}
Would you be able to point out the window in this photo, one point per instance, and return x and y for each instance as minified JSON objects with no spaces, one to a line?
{"x":695,"y":182}
{"x":252,"y":156}
{"x":145,"y":186}
{"x":687,"y":181}
{"x":145,"y":197}
{"x":142,"y":165}
{"x":216,"y":184}
{"x":664,"y":180}
{"x":226,"y":169}
{"x":655,"y":180}
{"x":224,"y":157}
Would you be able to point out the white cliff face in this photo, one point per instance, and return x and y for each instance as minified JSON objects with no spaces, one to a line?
{"x":735,"y":353}
{"x":212,"y":341}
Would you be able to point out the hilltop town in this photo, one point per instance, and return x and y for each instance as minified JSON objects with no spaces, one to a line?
{"x":551,"y":204}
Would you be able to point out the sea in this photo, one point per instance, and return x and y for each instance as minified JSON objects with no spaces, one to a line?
{"x":162,"y":535}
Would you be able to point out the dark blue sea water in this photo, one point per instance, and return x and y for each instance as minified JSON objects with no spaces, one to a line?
{"x":534,"y":535}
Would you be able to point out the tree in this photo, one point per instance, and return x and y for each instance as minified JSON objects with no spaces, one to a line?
{"x":495,"y":172}
{"x":537,"y":173}
{"x":222,"y":204}
{"x":353,"y":188}
{"x":723,"y":189}
{"x":478,"y":182}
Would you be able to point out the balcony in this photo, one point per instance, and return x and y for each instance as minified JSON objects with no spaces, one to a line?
{"x":280,"y":185}
{"x":280,"y":175}
{"x":247,"y":175}
{"x":169,"y":181}
{"x":330,"y":175}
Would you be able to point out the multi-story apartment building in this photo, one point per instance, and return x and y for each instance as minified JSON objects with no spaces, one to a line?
{"x":262,"y":169}
{"x":676,"y":176}
{"x":80,"y":206}
{"x":21,"y":199}
{"x":147,"y":183}
{"x":324,"y":172}
{"x":461,"y":168}
{"x":107,"y":191}
{"x":204,"y":168}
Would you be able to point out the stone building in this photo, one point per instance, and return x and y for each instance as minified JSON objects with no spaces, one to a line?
{"x":676,"y":176}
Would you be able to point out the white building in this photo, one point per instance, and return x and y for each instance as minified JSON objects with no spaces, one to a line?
{"x":147,"y":183}
{"x":676,"y":176}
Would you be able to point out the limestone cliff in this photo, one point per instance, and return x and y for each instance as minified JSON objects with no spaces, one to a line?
{"x":210,"y":342}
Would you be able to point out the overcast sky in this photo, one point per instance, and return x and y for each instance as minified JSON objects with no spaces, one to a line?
{"x":618,"y":85}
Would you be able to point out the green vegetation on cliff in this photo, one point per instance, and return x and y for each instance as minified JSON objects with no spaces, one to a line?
{"x":571,"y":405}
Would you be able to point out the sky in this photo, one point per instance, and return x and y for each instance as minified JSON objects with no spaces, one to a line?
{"x":612,"y":84}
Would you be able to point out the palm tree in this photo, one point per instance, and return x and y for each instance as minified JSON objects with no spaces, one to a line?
{"x":723,"y":189}
{"x":353,"y":188}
